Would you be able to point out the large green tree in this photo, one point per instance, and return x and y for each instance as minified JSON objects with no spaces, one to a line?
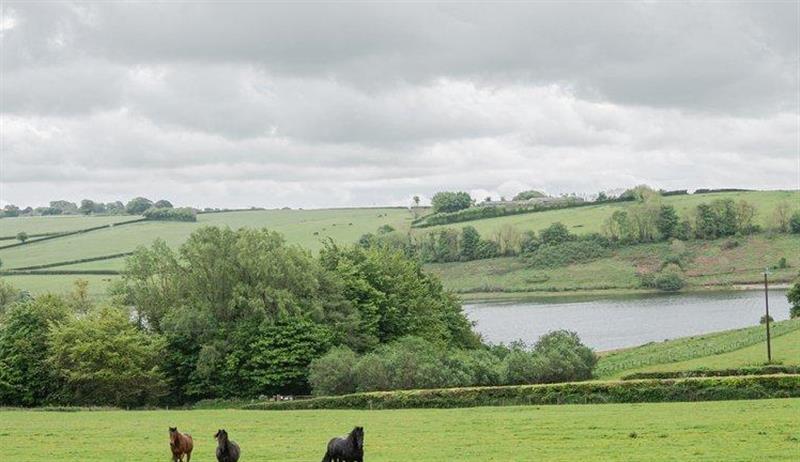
{"x":26,"y":379}
{"x":395,"y":298}
{"x":448,"y":201}
{"x":104,"y":359}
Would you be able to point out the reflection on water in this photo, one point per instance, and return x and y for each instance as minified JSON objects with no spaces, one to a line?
{"x":626,"y":321}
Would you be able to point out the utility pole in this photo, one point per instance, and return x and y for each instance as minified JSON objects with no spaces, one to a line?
{"x":766,"y":304}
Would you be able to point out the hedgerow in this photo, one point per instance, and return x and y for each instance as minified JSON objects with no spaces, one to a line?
{"x":632,"y":391}
{"x":739,"y":371}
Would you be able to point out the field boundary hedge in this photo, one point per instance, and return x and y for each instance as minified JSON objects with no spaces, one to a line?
{"x":632,"y":391}
{"x":72,"y":233}
{"x":740,"y":371}
{"x":59,"y":272}
{"x":71,"y":262}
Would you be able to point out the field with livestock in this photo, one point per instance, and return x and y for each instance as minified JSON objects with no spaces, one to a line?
{"x":711,"y":431}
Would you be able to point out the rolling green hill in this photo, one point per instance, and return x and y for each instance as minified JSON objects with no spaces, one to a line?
{"x":708,"y":264}
{"x":590,"y":218}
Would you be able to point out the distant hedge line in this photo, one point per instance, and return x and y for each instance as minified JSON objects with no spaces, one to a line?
{"x":481,"y":212}
{"x":59,"y":272}
{"x":14,"y":237}
{"x":718,"y":190}
{"x":741,"y":371}
{"x":639,"y":391}
{"x":71,"y":262}
{"x":70,"y":233}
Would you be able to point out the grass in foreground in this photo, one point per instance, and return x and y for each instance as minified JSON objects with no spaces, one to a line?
{"x":718,"y":350}
{"x":711,"y":431}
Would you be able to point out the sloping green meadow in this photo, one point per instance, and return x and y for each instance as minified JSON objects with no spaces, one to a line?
{"x":710,"y":431}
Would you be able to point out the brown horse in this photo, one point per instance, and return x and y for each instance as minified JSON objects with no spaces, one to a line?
{"x":180,"y":444}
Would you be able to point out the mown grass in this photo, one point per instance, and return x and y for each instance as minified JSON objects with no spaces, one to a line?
{"x":727,"y":349}
{"x":709,"y":431}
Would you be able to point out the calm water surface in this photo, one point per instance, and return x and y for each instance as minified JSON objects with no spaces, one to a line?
{"x":611,"y":323}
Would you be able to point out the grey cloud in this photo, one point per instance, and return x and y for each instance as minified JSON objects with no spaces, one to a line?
{"x":355,"y":104}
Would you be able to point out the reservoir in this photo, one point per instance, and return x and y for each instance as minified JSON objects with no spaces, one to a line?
{"x":619,"y":322}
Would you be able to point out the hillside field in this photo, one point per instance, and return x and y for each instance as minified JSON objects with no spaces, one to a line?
{"x":707,"y":431}
{"x":716,"y":350}
{"x":709,"y":264}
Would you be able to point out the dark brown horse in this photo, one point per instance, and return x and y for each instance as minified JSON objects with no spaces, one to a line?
{"x":180,"y":444}
{"x":227,"y":450}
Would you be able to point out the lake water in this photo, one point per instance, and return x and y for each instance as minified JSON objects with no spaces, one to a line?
{"x":610,"y":323}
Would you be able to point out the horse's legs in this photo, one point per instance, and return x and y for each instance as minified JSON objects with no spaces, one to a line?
{"x":188,"y":457}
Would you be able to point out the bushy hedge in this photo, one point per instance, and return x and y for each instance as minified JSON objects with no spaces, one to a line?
{"x":566,"y":253}
{"x":740,"y":371}
{"x":413,"y":363}
{"x":631,"y":391}
{"x":170,"y":214}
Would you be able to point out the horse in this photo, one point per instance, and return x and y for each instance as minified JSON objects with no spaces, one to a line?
{"x":227,"y":450}
{"x":346,"y":449}
{"x":180,"y":444}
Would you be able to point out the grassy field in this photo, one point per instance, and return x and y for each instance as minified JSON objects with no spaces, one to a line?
{"x":590,"y":219}
{"x":298,"y":226}
{"x":710,"y":431}
{"x":55,"y":224}
{"x":707,"y":264}
{"x":718,"y":350}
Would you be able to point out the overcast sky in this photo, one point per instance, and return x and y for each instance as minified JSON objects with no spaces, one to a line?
{"x":330,"y":105}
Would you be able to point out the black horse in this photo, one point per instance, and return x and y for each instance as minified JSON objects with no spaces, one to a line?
{"x":227,"y":450}
{"x":347,"y":449}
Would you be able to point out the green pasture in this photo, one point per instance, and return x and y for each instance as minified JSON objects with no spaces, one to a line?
{"x":297,"y":226}
{"x":707,"y":431}
{"x":40,"y":284}
{"x":590,"y":218}
{"x":717,"y":350}
{"x":55,"y":224}
{"x":785,"y":350}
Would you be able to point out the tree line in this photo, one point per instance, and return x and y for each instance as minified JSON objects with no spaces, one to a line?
{"x":240,"y":314}
{"x":647,"y":219}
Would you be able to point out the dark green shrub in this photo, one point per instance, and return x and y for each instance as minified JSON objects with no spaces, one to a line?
{"x":450,"y":201}
{"x":333,"y":374}
{"x":561,"y":357}
{"x":794,"y":222}
{"x":764,"y":318}
{"x":170,"y":214}
{"x":669,"y":282}
{"x":556,"y":233}
{"x":566,"y":253}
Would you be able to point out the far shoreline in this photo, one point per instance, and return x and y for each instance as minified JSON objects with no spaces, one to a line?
{"x":595,"y":294}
